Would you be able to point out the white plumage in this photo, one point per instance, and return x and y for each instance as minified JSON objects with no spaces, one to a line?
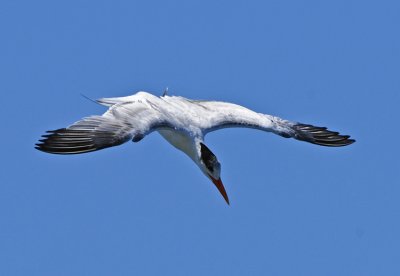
{"x":182,"y":122}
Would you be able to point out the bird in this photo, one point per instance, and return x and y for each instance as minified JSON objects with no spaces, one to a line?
{"x":183,"y":122}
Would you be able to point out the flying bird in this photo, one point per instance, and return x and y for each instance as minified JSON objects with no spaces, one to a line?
{"x":182,"y":122}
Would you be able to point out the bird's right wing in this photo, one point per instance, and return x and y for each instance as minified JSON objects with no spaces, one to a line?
{"x":224,"y":115}
{"x":130,"y":120}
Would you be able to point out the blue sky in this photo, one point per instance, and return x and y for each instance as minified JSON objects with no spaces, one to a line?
{"x":146,"y":209}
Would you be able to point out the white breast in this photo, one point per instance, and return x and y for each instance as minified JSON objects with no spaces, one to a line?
{"x":181,"y":140}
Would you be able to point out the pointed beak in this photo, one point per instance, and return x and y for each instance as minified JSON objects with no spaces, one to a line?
{"x":220,"y":186}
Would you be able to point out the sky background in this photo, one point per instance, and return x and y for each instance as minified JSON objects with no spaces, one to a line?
{"x":145,"y":208}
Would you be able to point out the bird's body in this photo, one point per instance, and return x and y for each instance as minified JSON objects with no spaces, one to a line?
{"x":182,"y":122}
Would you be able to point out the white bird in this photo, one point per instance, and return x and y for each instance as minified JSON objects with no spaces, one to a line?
{"x":182,"y":122}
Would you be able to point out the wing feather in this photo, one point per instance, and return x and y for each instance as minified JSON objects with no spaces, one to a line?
{"x":225,"y":115}
{"x":122,"y":122}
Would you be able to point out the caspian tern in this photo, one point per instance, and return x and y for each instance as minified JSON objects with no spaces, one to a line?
{"x":182,"y":122}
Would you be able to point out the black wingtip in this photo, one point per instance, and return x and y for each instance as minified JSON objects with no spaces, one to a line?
{"x":321,"y":136}
{"x":64,"y":141}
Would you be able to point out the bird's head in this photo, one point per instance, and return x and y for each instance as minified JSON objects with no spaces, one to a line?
{"x":210,"y":166}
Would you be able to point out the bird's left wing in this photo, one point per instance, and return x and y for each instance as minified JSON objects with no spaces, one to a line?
{"x":124,"y":121}
{"x":219,"y":115}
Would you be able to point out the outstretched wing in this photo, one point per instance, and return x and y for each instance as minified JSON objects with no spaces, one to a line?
{"x":122,"y":122}
{"x":224,"y":115}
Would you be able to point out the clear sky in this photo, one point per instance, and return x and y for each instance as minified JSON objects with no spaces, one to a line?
{"x":145,"y":208}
